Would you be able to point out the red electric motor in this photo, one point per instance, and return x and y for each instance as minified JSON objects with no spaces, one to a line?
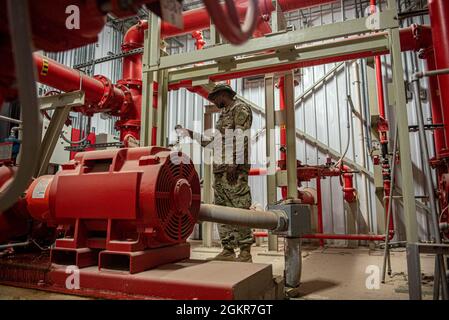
{"x":131,"y":208}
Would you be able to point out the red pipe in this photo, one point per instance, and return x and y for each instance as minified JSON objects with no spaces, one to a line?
{"x":56,"y":75}
{"x":349,"y":192}
{"x":387,"y":188}
{"x":134,"y":39}
{"x":283,"y":131}
{"x":319,"y":209}
{"x":132,"y":79}
{"x":199,"y":40}
{"x":198,"y":19}
{"x":380,"y":86}
{"x":439,"y":17}
{"x":435,"y":102}
{"x":379,"y":80}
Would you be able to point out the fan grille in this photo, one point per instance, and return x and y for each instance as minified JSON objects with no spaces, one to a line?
{"x":177,"y":224}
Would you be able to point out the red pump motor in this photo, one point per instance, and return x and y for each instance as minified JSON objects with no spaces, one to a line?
{"x":127,"y":209}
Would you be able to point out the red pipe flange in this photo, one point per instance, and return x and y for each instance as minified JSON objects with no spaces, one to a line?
{"x":108,"y":93}
{"x":128,"y":98}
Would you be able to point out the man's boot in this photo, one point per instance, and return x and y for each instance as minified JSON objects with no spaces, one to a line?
{"x":227,"y":254}
{"x":245,"y":254}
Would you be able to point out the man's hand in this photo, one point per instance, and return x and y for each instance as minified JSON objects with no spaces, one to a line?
{"x":183,"y":132}
{"x":232,"y":174}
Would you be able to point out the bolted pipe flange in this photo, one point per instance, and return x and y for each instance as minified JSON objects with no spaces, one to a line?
{"x":108,"y":93}
{"x":131,"y":83}
{"x":128,"y":101}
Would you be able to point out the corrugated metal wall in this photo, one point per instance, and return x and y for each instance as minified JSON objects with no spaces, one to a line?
{"x":322,"y":115}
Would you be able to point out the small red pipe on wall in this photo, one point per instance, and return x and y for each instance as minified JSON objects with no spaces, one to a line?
{"x":349,"y":192}
{"x":319,"y":209}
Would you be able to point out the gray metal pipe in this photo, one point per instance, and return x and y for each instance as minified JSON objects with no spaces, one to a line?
{"x":271,"y":220}
{"x":432,"y":73}
{"x":293,"y":262}
{"x":14,"y":245}
{"x":7,"y":119}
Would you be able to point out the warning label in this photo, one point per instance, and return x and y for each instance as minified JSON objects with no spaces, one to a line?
{"x":45,"y":67}
{"x":41,"y":188}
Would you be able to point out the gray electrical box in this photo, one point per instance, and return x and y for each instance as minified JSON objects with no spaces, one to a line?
{"x":299,"y":219}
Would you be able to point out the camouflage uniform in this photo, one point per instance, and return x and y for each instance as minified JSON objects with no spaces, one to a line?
{"x":238,"y":195}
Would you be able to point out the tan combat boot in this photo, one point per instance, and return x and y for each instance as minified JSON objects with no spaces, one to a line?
{"x":227,"y":254}
{"x":245,"y":254}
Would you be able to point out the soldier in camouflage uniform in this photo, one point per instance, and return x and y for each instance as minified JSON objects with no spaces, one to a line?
{"x":231,"y":169}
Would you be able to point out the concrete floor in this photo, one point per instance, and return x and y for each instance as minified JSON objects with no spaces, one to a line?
{"x":329,"y":273}
{"x":340,"y":273}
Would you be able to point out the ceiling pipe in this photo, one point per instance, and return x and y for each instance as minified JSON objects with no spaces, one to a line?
{"x":199,"y":19}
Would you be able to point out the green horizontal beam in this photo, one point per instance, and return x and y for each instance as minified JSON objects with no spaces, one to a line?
{"x":372,"y":44}
{"x":283,"y":41}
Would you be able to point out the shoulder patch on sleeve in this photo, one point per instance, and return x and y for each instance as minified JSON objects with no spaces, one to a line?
{"x":242,"y":115}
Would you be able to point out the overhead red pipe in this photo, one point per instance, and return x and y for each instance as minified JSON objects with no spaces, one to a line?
{"x":198,"y":19}
{"x":439,"y":18}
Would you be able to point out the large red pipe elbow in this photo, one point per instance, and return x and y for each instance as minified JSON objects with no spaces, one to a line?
{"x":134,"y":38}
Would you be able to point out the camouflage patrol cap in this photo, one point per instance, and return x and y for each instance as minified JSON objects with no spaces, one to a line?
{"x":221,"y":87}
